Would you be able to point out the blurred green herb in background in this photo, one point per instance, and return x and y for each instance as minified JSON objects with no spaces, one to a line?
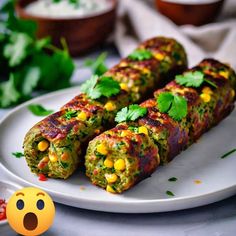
{"x":28,"y":64}
{"x":97,"y":65}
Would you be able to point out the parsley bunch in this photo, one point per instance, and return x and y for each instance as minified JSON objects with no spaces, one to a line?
{"x":26,"y":64}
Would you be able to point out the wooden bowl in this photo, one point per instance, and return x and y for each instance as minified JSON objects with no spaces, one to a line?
{"x":184,"y":12}
{"x":81,"y":34}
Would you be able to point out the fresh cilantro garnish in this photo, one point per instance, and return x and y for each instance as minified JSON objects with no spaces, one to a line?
{"x":39,"y":110}
{"x":140,"y":55}
{"x":193,"y":79}
{"x":29,"y":64}
{"x":16,"y":50}
{"x":172,"y":179}
{"x":70,"y":114}
{"x":131,"y":113}
{"x":170,"y":193}
{"x":97,"y":87}
{"x":8,"y":92}
{"x":17,"y":154}
{"x":175,"y":105}
{"x":98,"y":65}
{"x":228,"y":153}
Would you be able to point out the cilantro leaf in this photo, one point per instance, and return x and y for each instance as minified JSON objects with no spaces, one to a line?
{"x":97,"y":87}
{"x":88,"y":87}
{"x":107,"y":86}
{"x":165,"y":101}
{"x":98,"y":65}
{"x":175,"y":105}
{"x":31,"y":80}
{"x":17,"y":154}
{"x":131,"y":113}
{"x":16,"y":49}
{"x":39,"y":110}
{"x":193,"y":79}
{"x":122,"y":115}
{"x":179,"y":108}
{"x":8,"y":92}
{"x":140,"y":55}
{"x":190,"y":79}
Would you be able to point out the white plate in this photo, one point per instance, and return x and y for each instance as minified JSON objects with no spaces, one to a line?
{"x":200,"y":162}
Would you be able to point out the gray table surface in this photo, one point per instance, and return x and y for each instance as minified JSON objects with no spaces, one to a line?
{"x":218,"y":219}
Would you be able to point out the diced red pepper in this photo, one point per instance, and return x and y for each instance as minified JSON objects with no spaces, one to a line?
{"x":3,"y":206}
{"x":42,"y":177}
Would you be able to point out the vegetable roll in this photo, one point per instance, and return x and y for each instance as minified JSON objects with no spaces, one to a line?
{"x":56,"y":145}
{"x":158,"y":129}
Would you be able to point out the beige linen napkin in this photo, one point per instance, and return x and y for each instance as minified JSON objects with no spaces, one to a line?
{"x":216,"y":40}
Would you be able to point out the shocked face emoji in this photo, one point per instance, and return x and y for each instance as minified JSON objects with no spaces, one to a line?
{"x":30,"y":211}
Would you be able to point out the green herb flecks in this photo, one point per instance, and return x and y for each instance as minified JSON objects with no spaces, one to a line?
{"x":131,"y":113}
{"x":172,"y":179}
{"x":76,"y":3}
{"x":18,"y":154}
{"x":97,"y":87}
{"x":193,"y":79}
{"x":70,"y":114}
{"x":98,"y":65}
{"x":169,"y":193}
{"x":174,"y":105}
{"x":39,"y":110}
{"x":140,"y":55}
{"x":228,"y":153}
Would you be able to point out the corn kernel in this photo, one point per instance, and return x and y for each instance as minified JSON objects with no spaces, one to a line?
{"x":65,"y":156}
{"x":120,"y":165}
{"x":101,"y":148}
{"x":207,"y":90}
{"x":143,"y":130}
{"x":205,"y":97}
{"x":110,"y":189}
{"x":225,"y":74}
{"x":146,"y":71}
{"x":43,"y":145}
{"x":124,"y":86}
{"x":53,"y":157}
{"x":124,"y":133}
{"x":159,"y":56}
{"x":108,"y":163}
{"x":111,"y":178}
{"x":45,"y":159}
{"x":82,"y":116}
{"x":109,"y":106}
